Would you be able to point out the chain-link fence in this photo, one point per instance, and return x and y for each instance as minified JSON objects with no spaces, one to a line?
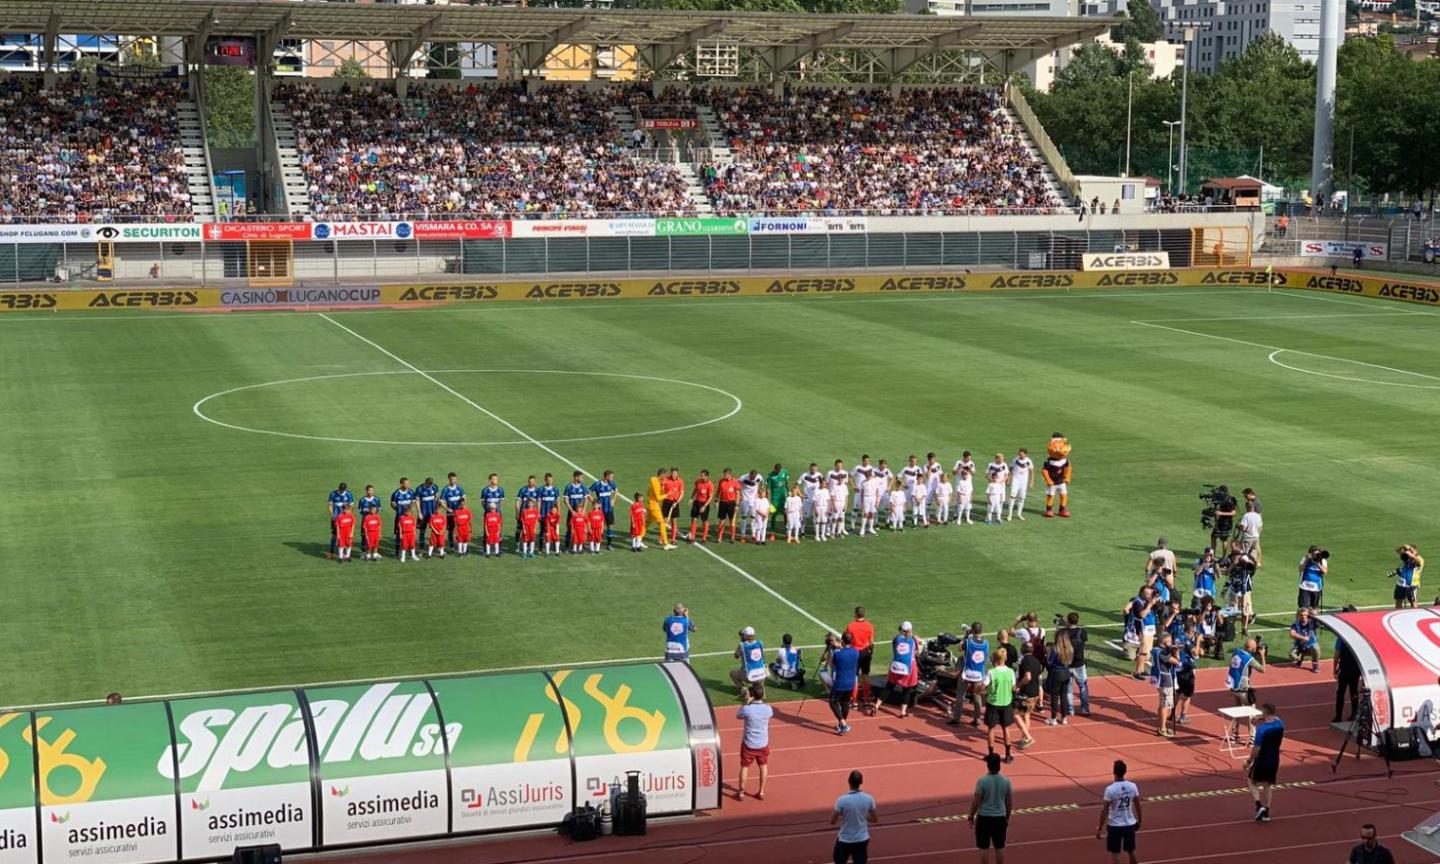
{"x":380,"y":260}
{"x":1405,"y":238}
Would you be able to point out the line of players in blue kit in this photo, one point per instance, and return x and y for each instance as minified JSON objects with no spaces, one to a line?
{"x":438,"y":517}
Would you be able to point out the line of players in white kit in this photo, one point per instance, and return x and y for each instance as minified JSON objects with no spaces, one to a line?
{"x":923,"y":490}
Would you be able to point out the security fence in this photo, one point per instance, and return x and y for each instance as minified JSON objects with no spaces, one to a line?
{"x":222,"y":262}
{"x":1404,"y":237}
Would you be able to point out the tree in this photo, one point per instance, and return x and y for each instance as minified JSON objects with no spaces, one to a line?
{"x":1391,"y":105}
{"x":350,"y":68}
{"x":229,"y":106}
{"x":1142,"y":23}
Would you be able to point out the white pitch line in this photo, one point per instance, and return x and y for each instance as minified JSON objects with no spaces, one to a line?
{"x":1395,"y":314}
{"x":1280,"y":614}
{"x":1278,"y":348}
{"x":556,"y":454}
{"x":1302,"y":294}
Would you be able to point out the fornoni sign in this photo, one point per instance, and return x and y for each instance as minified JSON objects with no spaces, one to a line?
{"x":315,"y":768}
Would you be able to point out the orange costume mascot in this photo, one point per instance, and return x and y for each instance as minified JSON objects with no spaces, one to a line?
{"x":1056,"y":472}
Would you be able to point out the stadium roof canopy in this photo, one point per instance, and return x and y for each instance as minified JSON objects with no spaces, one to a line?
{"x":782,"y":39}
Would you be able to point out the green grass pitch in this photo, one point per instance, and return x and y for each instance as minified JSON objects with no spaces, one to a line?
{"x":149,"y":551}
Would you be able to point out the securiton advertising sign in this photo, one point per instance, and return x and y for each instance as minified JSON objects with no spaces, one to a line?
{"x":382,"y":762}
{"x":628,"y":719}
{"x":701,"y":225}
{"x":1342,"y":249}
{"x":243,"y":765}
{"x":517,"y":774}
{"x":18,"y":844}
{"x":101,"y":797}
{"x":149,"y":232}
{"x":373,"y":759}
{"x":1125,"y":261}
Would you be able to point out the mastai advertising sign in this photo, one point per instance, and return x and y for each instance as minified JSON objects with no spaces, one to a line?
{"x":243,"y":764}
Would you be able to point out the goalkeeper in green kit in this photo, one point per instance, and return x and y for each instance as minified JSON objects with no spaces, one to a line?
{"x":778,"y":482}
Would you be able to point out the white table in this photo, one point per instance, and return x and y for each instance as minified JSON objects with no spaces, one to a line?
{"x":1235,"y":741}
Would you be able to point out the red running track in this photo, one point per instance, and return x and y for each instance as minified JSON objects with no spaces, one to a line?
{"x":921,"y":773}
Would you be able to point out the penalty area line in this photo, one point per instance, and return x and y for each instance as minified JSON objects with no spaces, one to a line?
{"x":557,"y":455}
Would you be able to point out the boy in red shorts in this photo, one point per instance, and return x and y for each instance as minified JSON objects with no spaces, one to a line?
{"x":438,"y":524}
{"x":597,"y":529}
{"x":529,"y":527}
{"x":371,"y":527}
{"x":407,"y":536}
{"x":577,"y":531}
{"x":493,"y":525}
{"x":344,"y":533}
{"x":637,"y":525}
{"x":552,"y":531}
{"x":463,"y":519}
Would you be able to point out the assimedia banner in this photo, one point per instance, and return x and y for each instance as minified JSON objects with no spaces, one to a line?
{"x":382,"y":762}
{"x":17,"y":791}
{"x":628,"y":719}
{"x":1341,"y":249}
{"x":101,"y":797}
{"x":517,"y":773}
{"x":243,"y":765}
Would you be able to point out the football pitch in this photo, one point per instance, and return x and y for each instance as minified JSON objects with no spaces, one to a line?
{"x":166,"y":474}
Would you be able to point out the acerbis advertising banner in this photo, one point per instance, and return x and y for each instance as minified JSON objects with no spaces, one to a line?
{"x":382,"y":762}
{"x":244,"y":773}
{"x":101,"y":798}
{"x":517,"y":774}
{"x":17,"y":791}
{"x":1341,"y":249}
{"x":1125,"y":261}
{"x":628,"y":719}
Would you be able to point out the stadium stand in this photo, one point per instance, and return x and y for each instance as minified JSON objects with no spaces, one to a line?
{"x":91,"y":149}
{"x":849,"y":149}
{"x":494,"y":150}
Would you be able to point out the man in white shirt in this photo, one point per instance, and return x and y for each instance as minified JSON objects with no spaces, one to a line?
{"x":1120,"y":816}
{"x":871,"y":495}
{"x":964,"y":492}
{"x":822,"y":513}
{"x":910,"y":476}
{"x":932,"y":474}
{"x":859,"y":475}
{"x":809,"y":482}
{"x":998,"y":469}
{"x":750,"y":485}
{"x":1162,"y":560}
{"x":839,"y":481}
{"x":1022,"y":480}
{"x":1250,"y":526}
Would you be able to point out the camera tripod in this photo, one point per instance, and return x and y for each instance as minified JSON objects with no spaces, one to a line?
{"x":1362,"y":729}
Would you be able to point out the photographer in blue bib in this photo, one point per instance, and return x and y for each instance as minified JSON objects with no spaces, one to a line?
{"x":1407,"y":575}
{"x":1313,"y":568}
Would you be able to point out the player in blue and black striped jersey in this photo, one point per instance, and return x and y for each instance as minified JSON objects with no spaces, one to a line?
{"x":451,"y":494}
{"x":529,"y":492}
{"x":370,"y":503}
{"x":339,"y":498}
{"x":402,"y":501}
{"x":575,"y":497}
{"x":549,"y":497}
{"x":603,"y":491}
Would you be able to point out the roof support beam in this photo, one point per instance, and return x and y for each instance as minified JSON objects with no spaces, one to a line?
{"x":784,"y":58}
{"x":536,"y":52}
{"x":52,"y":38}
{"x":659,"y":57}
{"x":402,"y":51}
{"x":903,"y":58}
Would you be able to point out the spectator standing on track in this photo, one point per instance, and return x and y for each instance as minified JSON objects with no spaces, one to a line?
{"x":1003,"y":642}
{"x":1346,"y":669}
{"x":844,"y":666}
{"x":855,"y":813}
{"x":1027,"y":692}
{"x":755,"y":745}
{"x":862,"y":637}
{"x":1057,"y":681}
{"x":999,"y":704}
{"x":1369,"y":851}
{"x":1264,"y":762}
{"x":678,"y":627}
{"x":990,"y":809}
{"x":1120,"y":816}
{"x":1078,"y":672}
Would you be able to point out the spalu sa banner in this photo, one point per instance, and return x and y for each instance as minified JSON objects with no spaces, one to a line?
{"x":324,"y":767}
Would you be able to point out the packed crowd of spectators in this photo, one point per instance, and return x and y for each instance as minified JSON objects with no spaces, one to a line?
{"x":90,"y":149}
{"x":494,"y":150}
{"x":842,"y":149}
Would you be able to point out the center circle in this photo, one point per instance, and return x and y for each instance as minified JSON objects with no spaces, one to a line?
{"x":199,"y":408}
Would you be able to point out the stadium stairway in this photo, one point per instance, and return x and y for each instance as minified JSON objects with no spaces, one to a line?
{"x":699,"y":201}
{"x":719,"y":146}
{"x":624,"y":117}
{"x":199,"y":178}
{"x":287,"y":156}
{"x":1052,"y":183}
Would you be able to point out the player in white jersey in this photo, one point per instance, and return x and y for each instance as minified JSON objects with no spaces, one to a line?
{"x":961,"y":465}
{"x":870,"y":495}
{"x":994,"y":495}
{"x":839,"y":481}
{"x":809,"y":482}
{"x":762,"y":519}
{"x":886,"y":476}
{"x":1022,"y":480}
{"x":910,"y":476}
{"x":964,"y":491}
{"x":933,"y":472}
{"x":999,"y":467}
{"x":896,"y":520}
{"x":942,"y":499}
{"x":750,"y":485}
{"x":858,"y":477}
{"x":822,"y":513}
{"x":794,"y":515}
